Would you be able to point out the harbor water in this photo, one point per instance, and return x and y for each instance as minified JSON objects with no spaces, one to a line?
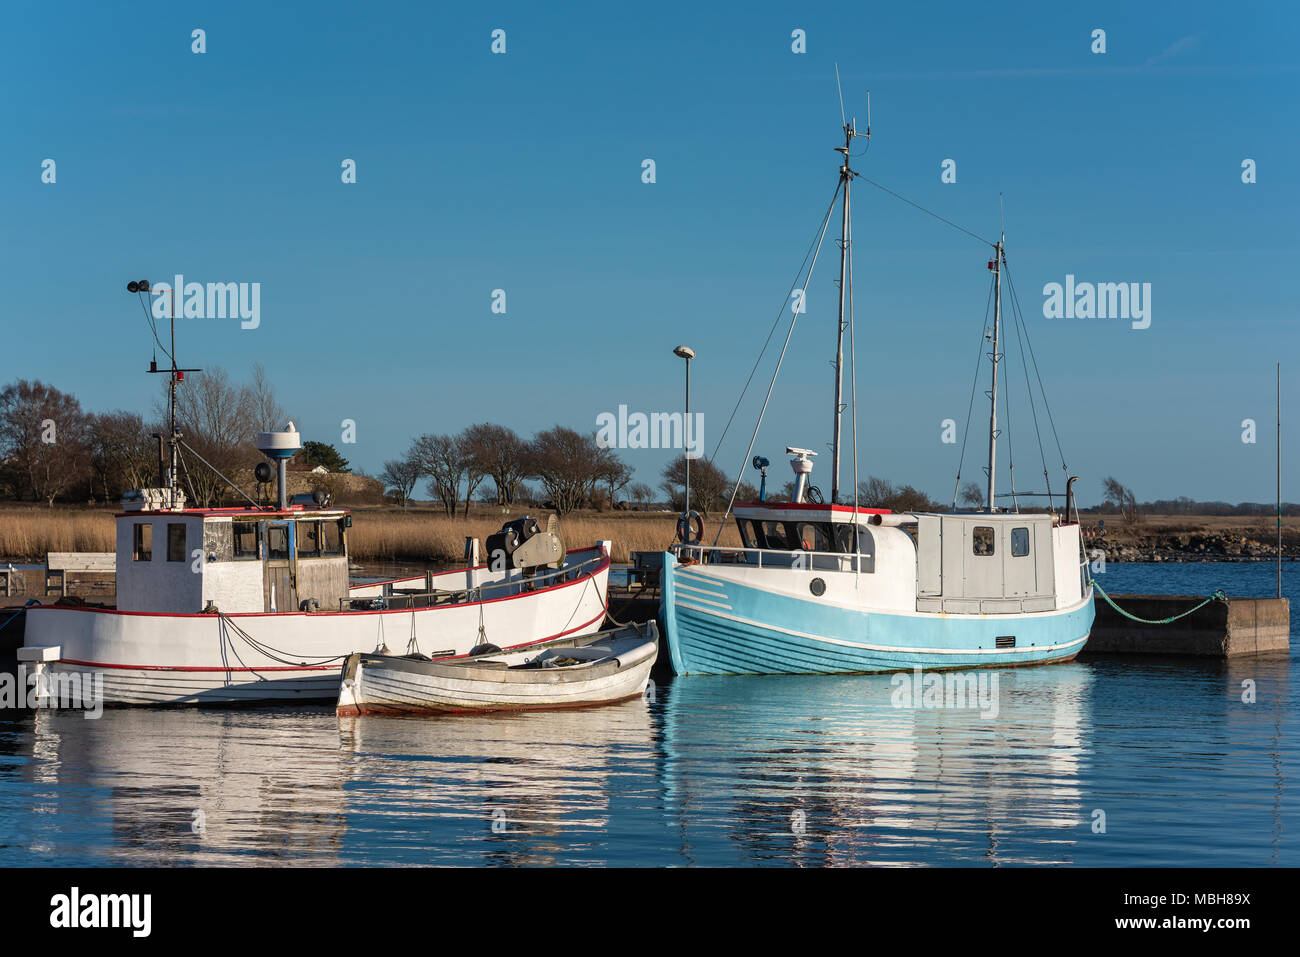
{"x":1103,"y":761}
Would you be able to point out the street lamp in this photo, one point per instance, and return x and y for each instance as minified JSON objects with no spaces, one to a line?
{"x":687,"y":353}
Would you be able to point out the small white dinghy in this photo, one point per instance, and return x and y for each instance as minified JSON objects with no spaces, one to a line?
{"x":578,"y":672}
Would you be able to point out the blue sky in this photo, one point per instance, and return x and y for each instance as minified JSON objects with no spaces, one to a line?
{"x":522,"y":172}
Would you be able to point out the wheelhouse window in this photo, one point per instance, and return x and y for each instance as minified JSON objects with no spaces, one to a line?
{"x":844,"y":536}
{"x":142,"y":542}
{"x":747,"y":535}
{"x":332,"y":537}
{"x":277,"y":543}
{"x":245,"y":540}
{"x":865,"y":545}
{"x":1019,"y":542}
{"x":774,"y":536}
{"x":813,"y":537}
{"x":175,"y":541}
{"x":308,"y":537}
{"x":982,"y":540}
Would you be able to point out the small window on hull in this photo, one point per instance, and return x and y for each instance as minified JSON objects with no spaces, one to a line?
{"x":1019,"y":542}
{"x":982,"y":540}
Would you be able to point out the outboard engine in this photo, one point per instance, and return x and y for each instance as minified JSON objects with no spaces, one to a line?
{"x":524,"y":544}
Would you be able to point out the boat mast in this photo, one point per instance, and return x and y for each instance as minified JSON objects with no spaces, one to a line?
{"x":171,"y":414}
{"x":846,"y":178}
{"x":996,"y":266}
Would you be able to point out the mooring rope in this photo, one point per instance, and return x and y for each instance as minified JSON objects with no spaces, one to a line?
{"x":1219,"y":595}
{"x":276,"y":654}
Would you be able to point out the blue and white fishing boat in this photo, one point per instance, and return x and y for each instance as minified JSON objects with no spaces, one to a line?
{"x":830,"y":587}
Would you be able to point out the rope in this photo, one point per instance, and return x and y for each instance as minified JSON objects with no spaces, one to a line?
{"x":640,"y":593}
{"x":928,"y":212}
{"x":1047,"y":407}
{"x":974,"y":384}
{"x":1219,"y":595}
{"x":275,"y":654}
{"x":777,"y":371}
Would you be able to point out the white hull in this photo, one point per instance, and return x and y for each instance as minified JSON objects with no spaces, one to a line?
{"x":388,"y":685}
{"x":147,"y":658}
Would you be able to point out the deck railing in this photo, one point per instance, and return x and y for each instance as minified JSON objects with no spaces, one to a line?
{"x":481,"y":592}
{"x":799,"y":559}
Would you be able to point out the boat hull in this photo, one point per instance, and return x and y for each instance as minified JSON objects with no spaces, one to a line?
{"x":718,"y":626}
{"x":158,"y":659}
{"x":390,"y":685}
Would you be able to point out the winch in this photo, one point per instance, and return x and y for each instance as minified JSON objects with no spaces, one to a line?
{"x":524,"y":544}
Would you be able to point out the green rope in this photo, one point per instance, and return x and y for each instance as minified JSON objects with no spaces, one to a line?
{"x":1219,"y":595}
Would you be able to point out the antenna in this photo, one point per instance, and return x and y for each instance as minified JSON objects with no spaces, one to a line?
{"x":868,"y":114}
{"x":840,"y":90}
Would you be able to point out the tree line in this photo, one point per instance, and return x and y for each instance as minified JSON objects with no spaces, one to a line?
{"x":52,"y":449}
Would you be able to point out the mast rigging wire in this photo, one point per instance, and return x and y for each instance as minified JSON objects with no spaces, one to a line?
{"x":794,"y":318}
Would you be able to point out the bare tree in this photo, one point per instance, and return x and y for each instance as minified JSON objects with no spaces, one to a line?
{"x":401,"y":475}
{"x":442,"y":459}
{"x":268,"y":415}
{"x":43,"y":439}
{"x":1122,"y":498}
{"x":611,"y":470}
{"x":641,"y":493}
{"x":565,"y":462}
{"x":500,"y":454}
{"x":972,"y":495}
{"x":123,"y":453}
{"x":709,"y":485}
{"x":218,"y":420}
{"x":881,"y":493}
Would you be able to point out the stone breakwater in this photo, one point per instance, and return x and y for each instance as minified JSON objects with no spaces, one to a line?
{"x":1190,"y":547}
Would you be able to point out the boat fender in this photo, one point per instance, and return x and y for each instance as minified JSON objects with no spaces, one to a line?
{"x":690,"y":527}
{"x":485,"y":649}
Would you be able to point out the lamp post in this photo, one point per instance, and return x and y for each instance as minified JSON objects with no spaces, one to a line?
{"x":687,"y":353}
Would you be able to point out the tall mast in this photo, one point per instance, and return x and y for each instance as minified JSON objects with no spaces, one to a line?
{"x":846,"y":178}
{"x":171,"y":413}
{"x":996,"y":266}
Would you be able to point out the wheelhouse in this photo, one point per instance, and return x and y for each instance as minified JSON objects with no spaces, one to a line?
{"x":235,"y":560}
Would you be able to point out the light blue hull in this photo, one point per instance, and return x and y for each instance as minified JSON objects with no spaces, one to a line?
{"x":747,"y":630}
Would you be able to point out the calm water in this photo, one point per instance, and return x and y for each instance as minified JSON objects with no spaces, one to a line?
{"x":715,"y":771}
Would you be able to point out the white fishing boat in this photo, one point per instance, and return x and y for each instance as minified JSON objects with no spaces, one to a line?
{"x":826,"y":587}
{"x":251,"y":604}
{"x":566,"y":673}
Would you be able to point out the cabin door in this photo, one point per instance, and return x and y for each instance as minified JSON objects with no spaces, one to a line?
{"x":279,"y":581}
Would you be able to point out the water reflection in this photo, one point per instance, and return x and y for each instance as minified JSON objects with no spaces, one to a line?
{"x":829,"y":772}
{"x":527,"y":789}
{"x":717,"y":771}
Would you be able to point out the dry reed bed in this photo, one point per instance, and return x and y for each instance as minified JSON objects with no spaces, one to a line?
{"x":27,"y":534}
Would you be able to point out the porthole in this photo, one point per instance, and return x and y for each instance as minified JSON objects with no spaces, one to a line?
{"x":817,"y":587}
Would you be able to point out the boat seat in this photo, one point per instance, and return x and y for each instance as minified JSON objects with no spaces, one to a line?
{"x":585,"y":653}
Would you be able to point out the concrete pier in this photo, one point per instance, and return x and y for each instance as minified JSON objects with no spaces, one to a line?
{"x":1239,"y":626}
